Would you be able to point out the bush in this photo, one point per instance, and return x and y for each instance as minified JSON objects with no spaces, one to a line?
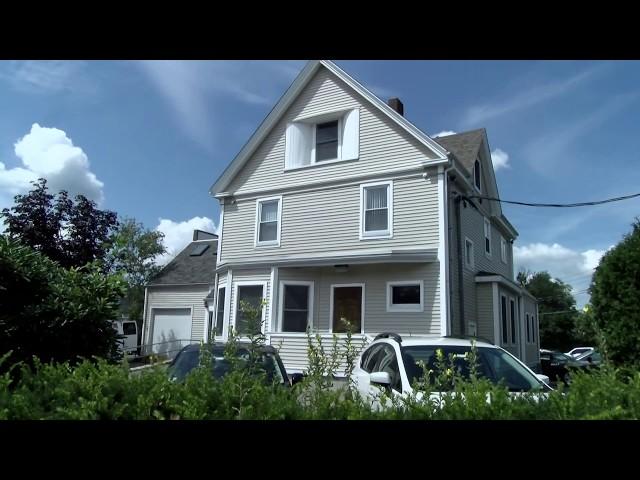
{"x":53,"y":313}
{"x":615,"y":300}
{"x":103,"y":391}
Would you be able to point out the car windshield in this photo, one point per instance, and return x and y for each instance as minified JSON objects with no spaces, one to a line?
{"x":188,"y":360}
{"x":493,"y":363}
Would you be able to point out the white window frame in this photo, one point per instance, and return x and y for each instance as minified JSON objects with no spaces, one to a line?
{"x":473,"y":180}
{"x":269,"y":243}
{"x":472,"y":265}
{"x":391,"y":307}
{"x":377,"y":234}
{"x":513,"y":321}
{"x":503,"y":249}
{"x":340,"y":120}
{"x":487,"y":235}
{"x":339,"y":285}
{"x":284,"y":283}
{"x":234,"y":306}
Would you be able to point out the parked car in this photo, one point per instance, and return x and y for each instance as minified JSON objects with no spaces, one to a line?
{"x":391,"y":362}
{"x":189,"y":358}
{"x":593,"y":358}
{"x":557,"y":365}
{"x":576,"y":352}
{"x":128,"y":331}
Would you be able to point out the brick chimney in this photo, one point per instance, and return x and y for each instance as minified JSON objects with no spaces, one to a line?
{"x":397,"y":105}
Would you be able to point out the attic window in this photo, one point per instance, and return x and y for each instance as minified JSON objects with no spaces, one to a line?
{"x":327,"y":138}
{"x":198,"y":250}
{"x":477,"y":175}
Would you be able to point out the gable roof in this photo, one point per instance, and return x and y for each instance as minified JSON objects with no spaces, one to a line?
{"x":187,"y":269}
{"x":465,"y":146}
{"x":287,"y":99}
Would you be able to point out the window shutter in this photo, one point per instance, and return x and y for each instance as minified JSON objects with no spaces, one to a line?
{"x":351,"y":135}
{"x":297,"y":145}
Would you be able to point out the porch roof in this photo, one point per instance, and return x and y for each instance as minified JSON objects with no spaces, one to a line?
{"x":378,"y":255}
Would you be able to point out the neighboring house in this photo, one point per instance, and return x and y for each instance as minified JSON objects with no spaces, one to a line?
{"x":178,"y":306}
{"x":338,"y":207}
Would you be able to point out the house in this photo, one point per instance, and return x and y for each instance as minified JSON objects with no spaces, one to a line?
{"x":178,"y":301}
{"x":338,"y":208}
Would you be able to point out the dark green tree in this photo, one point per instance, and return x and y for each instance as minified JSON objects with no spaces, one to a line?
{"x":70,"y":232}
{"x":615,"y":300}
{"x":133,"y":250}
{"x":54,"y":313}
{"x":556,"y":309}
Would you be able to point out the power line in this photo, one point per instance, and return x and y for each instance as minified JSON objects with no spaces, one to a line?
{"x":558,"y":205}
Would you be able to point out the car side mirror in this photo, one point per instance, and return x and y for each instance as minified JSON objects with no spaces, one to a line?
{"x":544,"y":378}
{"x":296,"y":378}
{"x":380,"y":378}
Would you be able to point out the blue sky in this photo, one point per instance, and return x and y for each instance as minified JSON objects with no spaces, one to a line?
{"x":147,"y":139}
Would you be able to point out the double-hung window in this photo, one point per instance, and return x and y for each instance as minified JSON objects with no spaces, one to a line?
{"x":296,"y":306}
{"x":249,"y":307}
{"x":376,"y":210}
{"x":487,"y":237}
{"x":268,"y":213}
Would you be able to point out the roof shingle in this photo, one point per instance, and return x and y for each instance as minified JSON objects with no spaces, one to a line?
{"x":186,"y":269}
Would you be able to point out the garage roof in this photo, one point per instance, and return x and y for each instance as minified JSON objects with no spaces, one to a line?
{"x":195,"y":264}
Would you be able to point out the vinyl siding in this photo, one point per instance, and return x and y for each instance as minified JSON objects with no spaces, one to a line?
{"x":375,"y":278}
{"x":188,"y":296}
{"x":383,"y":144}
{"x":472,"y":227}
{"x":325,"y":221}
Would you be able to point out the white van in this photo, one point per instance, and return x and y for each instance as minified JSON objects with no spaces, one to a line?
{"x":129,"y":330}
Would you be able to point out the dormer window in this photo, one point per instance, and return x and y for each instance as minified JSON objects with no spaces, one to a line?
{"x":327,"y":141}
{"x":322,"y":139}
{"x":477,"y":175}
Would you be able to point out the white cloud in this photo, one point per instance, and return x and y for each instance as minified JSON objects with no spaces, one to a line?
{"x":192,"y":89}
{"x":500,"y":159}
{"x":478,"y":114}
{"x":444,"y":133}
{"x":570,"y":266}
{"x":47,"y":76}
{"x":49,"y":153}
{"x":177,"y":235}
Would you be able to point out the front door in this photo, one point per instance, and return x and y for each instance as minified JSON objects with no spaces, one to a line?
{"x":347,"y":305}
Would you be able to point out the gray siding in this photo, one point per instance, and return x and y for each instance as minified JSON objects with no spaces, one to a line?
{"x":383,"y":144}
{"x":484,"y":316}
{"x":189,"y":296}
{"x":324,"y":221}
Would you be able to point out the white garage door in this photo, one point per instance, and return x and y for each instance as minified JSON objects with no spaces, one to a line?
{"x":171,"y":330}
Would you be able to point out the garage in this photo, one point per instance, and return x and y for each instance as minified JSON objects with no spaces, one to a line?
{"x":171,"y":330}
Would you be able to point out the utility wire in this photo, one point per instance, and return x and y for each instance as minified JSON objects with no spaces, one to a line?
{"x":558,"y":205}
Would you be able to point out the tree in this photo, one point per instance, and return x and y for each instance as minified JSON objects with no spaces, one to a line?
{"x":557,"y":312}
{"x":133,"y":250}
{"x":615,"y":300}
{"x":54,"y":313}
{"x":70,"y":232}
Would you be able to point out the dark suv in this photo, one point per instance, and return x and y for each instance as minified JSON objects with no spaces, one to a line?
{"x":189,"y":358}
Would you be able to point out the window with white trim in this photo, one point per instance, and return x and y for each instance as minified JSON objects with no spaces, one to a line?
{"x":296,"y":306}
{"x":487,"y":237}
{"x":512,"y":304}
{"x":220,"y":311}
{"x":503,"y":317}
{"x":268,"y":212}
{"x":469,"y":255}
{"x":405,"y":296}
{"x":376,"y":210}
{"x":249,"y":297}
{"x":325,"y":138}
{"x":477,"y":175}
{"x":503,"y":249}
{"x":528,"y":327}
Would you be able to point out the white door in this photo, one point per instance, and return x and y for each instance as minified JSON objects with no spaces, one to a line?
{"x":171,"y":330}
